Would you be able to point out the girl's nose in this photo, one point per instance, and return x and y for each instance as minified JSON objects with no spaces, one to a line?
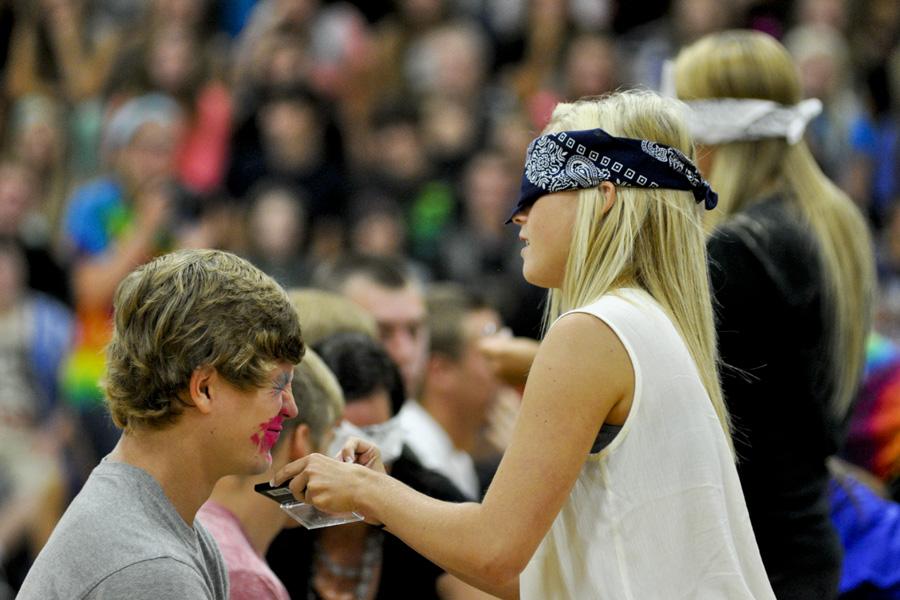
{"x":521,"y":217}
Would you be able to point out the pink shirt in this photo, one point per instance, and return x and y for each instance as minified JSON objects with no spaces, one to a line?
{"x":249,"y":577}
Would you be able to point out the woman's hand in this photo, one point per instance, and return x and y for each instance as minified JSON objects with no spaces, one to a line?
{"x":333,"y":485}
{"x":510,"y":357}
{"x":326,"y":483}
{"x":363,"y":453}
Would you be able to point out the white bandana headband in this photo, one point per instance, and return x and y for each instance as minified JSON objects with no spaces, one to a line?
{"x":723,"y":120}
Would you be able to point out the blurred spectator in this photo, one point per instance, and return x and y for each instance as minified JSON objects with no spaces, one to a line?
{"x":450,"y":61}
{"x":358,"y":560}
{"x":545,"y":36}
{"x":562,"y":66}
{"x":451,"y":132}
{"x":869,"y":528}
{"x":387,"y":289}
{"x":277,"y":229}
{"x":197,"y":16}
{"x":298,"y":42}
{"x":35,"y":337}
{"x":114,"y":224}
{"x":293,"y":140}
{"x":458,"y":391}
{"x":874,"y":32}
{"x":323,"y":314}
{"x":873,"y":181}
{"x":823,"y":61}
{"x":58,"y":48}
{"x":399,"y":167}
{"x":280,"y":60}
{"x":172,"y":60}
{"x":21,"y":220}
{"x":394,"y":37}
{"x":887,"y":315}
{"x":39,"y":139}
{"x":832,"y":14}
{"x":302,"y":42}
{"x":511,"y":132}
{"x":342,"y":50}
{"x":481,"y":251}
{"x":292,"y":17}
{"x":378,"y":226}
{"x":590,"y":67}
{"x":873,"y":432}
{"x":646,"y":48}
{"x":875,"y":38}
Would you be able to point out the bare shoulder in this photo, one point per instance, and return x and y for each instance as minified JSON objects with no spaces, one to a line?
{"x":582,"y":353}
{"x":585,"y":341}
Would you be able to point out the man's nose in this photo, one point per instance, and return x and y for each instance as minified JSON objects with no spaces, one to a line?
{"x":288,"y":404}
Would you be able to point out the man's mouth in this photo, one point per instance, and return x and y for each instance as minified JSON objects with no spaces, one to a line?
{"x":268,"y":435}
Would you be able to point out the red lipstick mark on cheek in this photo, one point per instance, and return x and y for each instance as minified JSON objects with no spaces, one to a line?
{"x":267,"y":435}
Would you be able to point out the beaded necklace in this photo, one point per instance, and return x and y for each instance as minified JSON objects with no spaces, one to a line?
{"x":363,"y":573}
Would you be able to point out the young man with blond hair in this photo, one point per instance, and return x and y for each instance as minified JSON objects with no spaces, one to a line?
{"x":198,"y":378}
{"x":243,"y":522}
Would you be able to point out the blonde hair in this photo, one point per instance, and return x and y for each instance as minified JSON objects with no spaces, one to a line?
{"x":190,"y":309}
{"x":649,"y":238}
{"x":325,"y":313}
{"x":744,"y":64}
{"x":319,"y":398}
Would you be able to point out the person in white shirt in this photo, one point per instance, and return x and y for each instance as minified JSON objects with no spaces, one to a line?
{"x":444,"y":426}
{"x":619,"y":481}
{"x":386,"y":288}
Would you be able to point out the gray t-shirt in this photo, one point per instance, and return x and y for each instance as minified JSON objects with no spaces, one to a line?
{"x":122,"y":538}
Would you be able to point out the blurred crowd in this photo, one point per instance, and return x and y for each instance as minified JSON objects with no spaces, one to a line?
{"x":295,"y":132}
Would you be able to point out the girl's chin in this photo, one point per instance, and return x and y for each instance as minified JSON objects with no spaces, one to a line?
{"x":535,"y":278}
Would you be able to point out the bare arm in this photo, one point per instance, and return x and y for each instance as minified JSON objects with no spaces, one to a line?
{"x":21,"y":75}
{"x":510,"y":357}
{"x":580,"y":374}
{"x":83,"y":71}
{"x":450,"y":587}
{"x":95,"y":278}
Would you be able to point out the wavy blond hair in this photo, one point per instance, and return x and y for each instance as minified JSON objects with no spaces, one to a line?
{"x":745,"y":64}
{"x":650,"y":238}
{"x":190,"y":309}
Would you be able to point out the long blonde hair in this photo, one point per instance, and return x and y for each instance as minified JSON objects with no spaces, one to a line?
{"x":744,"y":64}
{"x":649,"y":238}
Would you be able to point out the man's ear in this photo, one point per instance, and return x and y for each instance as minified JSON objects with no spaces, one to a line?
{"x":439,"y":366}
{"x":300,"y":444}
{"x":609,"y":193}
{"x":201,"y":388}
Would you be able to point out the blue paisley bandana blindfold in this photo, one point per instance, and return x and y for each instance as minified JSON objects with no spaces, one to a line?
{"x":572,"y":160}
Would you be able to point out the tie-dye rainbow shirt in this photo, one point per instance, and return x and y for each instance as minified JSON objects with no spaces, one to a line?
{"x":873,"y":439}
{"x":97,"y":217}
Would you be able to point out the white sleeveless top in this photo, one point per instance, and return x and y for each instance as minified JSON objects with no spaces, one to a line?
{"x":659,"y":512}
